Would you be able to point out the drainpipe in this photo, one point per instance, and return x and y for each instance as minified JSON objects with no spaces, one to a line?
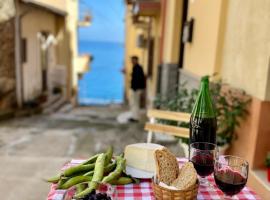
{"x":18,"y":67}
{"x":163,"y":15}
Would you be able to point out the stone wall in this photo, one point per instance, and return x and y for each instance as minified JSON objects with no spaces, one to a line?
{"x":168,"y":79}
{"x":7,"y":65}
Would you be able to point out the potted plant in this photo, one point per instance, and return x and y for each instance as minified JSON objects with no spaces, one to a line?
{"x":182,"y":101}
{"x":267,"y":164}
{"x":231,"y":108}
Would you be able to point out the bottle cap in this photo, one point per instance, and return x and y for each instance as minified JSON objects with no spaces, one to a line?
{"x":205,"y":79}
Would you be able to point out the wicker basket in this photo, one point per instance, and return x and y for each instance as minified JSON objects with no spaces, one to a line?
{"x":162,"y":193}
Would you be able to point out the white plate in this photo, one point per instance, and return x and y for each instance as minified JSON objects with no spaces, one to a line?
{"x":138,"y":173}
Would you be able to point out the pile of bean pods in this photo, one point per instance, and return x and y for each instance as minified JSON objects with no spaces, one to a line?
{"x":87,"y":176}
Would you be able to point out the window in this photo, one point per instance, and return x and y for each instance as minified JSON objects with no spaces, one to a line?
{"x":24,"y":50}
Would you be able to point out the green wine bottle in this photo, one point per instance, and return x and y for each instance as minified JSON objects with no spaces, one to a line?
{"x":203,"y":122}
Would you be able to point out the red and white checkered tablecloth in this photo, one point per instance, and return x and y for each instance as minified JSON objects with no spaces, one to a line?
{"x":143,"y":190}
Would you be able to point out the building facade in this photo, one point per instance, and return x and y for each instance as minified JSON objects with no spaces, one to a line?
{"x":193,"y":38}
{"x":7,"y":65}
{"x":40,"y":54}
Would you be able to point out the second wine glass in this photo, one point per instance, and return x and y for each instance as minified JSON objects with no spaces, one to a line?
{"x":203,"y":155}
{"x":231,"y":174}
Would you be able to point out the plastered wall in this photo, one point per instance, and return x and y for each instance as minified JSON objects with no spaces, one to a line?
{"x":246,"y":51}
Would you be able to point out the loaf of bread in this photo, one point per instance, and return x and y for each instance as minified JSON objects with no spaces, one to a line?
{"x":167,"y":168}
{"x":168,"y":172}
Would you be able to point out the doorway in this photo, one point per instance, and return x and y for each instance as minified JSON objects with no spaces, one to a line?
{"x":44,"y":61}
{"x":182,"y":44}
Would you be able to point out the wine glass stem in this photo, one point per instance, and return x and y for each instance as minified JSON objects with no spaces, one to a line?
{"x":204,"y":182}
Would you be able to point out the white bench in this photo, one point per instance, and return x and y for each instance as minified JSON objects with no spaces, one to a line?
{"x":154,"y":127}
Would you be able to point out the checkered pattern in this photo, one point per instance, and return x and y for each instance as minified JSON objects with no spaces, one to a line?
{"x":143,"y":190}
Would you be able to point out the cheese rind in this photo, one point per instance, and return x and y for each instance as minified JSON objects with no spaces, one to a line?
{"x":141,"y":156}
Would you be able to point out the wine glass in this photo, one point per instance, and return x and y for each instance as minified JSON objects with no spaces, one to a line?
{"x":203,"y":156}
{"x":231,"y":174}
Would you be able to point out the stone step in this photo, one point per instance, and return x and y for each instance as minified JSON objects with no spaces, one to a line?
{"x":66,"y":108}
{"x":51,"y":100}
{"x":6,"y":114}
{"x":27,"y":112}
{"x":55,"y":106}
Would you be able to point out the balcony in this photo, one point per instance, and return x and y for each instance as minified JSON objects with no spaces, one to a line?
{"x":56,"y":6}
{"x":82,"y":64}
{"x":86,"y":20}
{"x":150,"y":8}
{"x":129,"y":1}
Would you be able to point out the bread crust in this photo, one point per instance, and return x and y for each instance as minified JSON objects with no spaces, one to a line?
{"x":167,"y":167}
{"x":187,"y":177}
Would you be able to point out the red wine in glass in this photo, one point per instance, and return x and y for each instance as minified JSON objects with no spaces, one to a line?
{"x":203,"y":155}
{"x":204,"y":164}
{"x":231,"y":174}
{"x":230,"y":182}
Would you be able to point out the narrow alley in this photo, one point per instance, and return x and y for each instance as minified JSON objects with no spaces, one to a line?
{"x":34,"y":148}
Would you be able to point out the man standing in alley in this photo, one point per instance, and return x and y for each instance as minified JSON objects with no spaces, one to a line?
{"x":137,"y":88}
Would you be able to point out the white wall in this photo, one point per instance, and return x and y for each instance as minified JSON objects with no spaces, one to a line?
{"x":72,"y":27}
{"x":33,"y":22}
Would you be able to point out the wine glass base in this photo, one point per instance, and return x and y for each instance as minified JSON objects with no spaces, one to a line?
{"x":205,"y":183}
{"x":225,"y":197}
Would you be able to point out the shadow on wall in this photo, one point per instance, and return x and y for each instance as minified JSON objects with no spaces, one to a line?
{"x":7,"y":65}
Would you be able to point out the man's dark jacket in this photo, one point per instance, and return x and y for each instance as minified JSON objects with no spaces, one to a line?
{"x":137,"y":78}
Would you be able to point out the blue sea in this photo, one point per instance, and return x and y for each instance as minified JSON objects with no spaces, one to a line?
{"x":104,"y":83}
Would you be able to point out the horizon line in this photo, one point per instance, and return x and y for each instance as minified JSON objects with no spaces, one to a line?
{"x":112,"y":41}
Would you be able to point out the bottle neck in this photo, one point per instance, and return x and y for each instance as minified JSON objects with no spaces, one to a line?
{"x":204,"y":87}
{"x":203,"y":106}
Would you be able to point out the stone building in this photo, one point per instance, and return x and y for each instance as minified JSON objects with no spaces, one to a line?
{"x":7,"y":65}
{"x":39,"y":60}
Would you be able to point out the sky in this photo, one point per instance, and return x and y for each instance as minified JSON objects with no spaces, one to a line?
{"x":107,"y":23}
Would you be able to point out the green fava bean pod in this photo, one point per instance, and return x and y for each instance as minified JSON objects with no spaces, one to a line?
{"x":91,"y":173}
{"x":110,"y":167}
{"x":80,"y":187}
{"x":122,"y":181}
{"x":77,"y":169}
{"x":97,"y":177}
{"x":62,"y":181}
{"x":107,"y":169}
{"x":90,"y":160}
{"x":74,"y":181}
{"x":109,"y":154}
{"x":120,"y":167}
{"x":54,"y":179}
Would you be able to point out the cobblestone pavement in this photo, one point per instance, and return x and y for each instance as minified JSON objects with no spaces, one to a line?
{"x":36,"y":147}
